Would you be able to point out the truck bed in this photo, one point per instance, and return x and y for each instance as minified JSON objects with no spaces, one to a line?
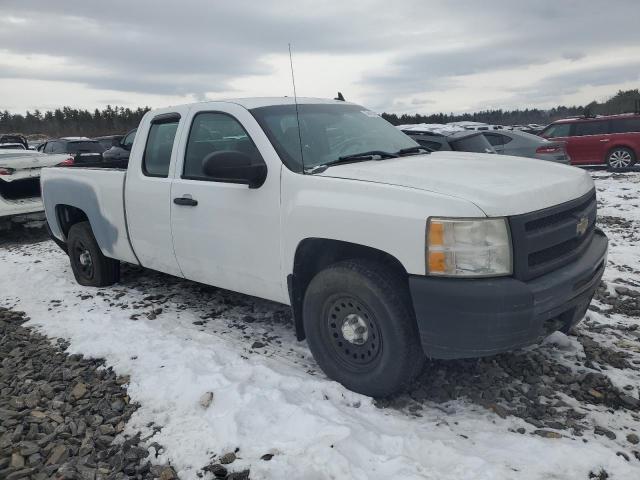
{"x":99,"y":192}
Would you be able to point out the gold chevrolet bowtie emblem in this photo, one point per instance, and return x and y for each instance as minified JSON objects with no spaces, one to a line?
{"x":582,"y":225}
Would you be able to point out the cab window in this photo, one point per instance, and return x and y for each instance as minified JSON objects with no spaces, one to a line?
{"x":214,"y":132}
{"x":157,"y":152}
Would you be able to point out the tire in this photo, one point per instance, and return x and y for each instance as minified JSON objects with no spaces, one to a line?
{"x":378,"y":359}
{"x":621,"y":158}
{"x":90,"y":267}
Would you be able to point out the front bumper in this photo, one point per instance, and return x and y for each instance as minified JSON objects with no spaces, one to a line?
{"x":461,"y":318}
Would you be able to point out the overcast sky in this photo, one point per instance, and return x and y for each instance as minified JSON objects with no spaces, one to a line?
{"x":396,"y":56}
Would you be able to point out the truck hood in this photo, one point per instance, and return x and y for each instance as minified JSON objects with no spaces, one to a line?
{"x":499,"y":185}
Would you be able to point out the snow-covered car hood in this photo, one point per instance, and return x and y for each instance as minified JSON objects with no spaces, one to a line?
{"x":497,"y":184}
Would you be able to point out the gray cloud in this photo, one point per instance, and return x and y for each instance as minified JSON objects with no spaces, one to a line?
{"x":196,"y":46}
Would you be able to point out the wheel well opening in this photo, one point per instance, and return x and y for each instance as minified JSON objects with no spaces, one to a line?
{"x":69,"y":216}
{"x":315,"y":254}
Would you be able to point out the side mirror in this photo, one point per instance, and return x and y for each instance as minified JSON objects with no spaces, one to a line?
{"x":234,"y":167}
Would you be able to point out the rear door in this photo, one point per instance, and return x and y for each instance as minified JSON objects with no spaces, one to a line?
{"x":226,"y":234}
{"x":589,"y":142}
{"x":148,"y":189}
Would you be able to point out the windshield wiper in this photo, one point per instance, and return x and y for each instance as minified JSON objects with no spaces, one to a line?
{"x":366,"y":156}
{"x":354,"y":157}
{"x":416,"y":149}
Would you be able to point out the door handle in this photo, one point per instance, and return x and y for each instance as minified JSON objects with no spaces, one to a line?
{"x":605,"y":140}
{"x":186,"y":201}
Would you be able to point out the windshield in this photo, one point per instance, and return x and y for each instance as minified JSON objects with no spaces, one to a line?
{"x":84,"y":147}
{"x":328,"y":132}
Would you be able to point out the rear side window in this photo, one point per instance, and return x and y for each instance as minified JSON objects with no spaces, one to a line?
{"x":214,"y":132}
{"x":590,"y":128}
{"x":435,"y":146}
{"x":625,"y":125}
{"x":557,"y":130}
{"x":157,"y":152}
{"x":497,"y":139}
{"x":473,"y":143}
{"x":84,"y":147}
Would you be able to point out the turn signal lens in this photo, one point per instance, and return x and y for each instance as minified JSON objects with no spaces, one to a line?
{"x":468,"y":247}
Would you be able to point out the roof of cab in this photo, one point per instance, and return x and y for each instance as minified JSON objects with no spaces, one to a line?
{"x":256,"y":102}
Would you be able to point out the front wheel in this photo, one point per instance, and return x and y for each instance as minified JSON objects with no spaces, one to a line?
{"x":90,"y":267}
{"x":620,"y":158}
{"x":361,"y":328}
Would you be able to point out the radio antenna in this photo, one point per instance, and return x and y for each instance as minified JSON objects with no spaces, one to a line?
{"x":295,"y":100}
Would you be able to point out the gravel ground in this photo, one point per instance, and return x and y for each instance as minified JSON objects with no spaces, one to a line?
{"x":61,"y":415}
{"x":584,"y":386}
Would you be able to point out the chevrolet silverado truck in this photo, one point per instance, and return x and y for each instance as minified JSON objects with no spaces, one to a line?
{"x":387,"y":253}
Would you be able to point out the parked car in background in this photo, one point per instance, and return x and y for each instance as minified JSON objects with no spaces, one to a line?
{"x":475,"y":125}
{"x":12,"y":146}
{"x":121,"y":150}
{"x":385,"y":253}
{"x":523,"y":144}
{"x":108,"y":141}
{"x":612,"y":140}
{"x":14,"y":138}
{"x":83,"y":149}
{"x":448,"y":137}
{"x":20,"y":183}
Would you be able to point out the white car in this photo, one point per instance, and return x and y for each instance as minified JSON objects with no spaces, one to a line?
{"x":386,"y":253}
{"x":20,"y":182}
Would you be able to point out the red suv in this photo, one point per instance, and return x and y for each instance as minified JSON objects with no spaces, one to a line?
{"x":613,"y":139}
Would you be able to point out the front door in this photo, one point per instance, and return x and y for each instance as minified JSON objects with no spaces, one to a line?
{"x":227,"y":234}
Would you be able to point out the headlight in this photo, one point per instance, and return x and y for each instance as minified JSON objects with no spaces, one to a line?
{"x":468,"y":247}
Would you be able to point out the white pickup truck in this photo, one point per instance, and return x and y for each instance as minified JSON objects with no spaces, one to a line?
{"x":386,"y":253}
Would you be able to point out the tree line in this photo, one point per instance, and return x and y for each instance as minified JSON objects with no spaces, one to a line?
{"x":69,"y":121}
{"x":621,"y":102}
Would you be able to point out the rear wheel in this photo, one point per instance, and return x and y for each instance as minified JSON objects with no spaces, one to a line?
{"x":361,"y":328}
{"x":621,"y":158}
{"x":90,"y":267}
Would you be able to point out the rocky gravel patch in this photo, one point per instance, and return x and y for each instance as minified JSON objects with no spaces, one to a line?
{"x":63,"y":416}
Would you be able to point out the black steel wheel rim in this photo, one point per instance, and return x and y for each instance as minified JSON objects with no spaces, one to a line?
{"x":84,"y":260}
{"x":353,"y":332}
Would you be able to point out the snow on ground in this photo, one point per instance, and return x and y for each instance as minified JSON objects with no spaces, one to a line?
{"x":179,"y":340}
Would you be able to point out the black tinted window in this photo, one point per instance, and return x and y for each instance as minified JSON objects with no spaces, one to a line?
{"x":157,"y":153}
{"x":624,"y":125}
{"x":214,"y":132}
{"x":590,"y":128}
{"x":84,"y":147}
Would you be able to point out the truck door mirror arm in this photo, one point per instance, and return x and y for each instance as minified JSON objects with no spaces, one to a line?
{"x":235,"y":167}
